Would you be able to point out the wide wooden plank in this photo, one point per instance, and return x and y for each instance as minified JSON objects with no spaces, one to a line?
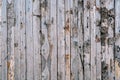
{"x":61,"y":41}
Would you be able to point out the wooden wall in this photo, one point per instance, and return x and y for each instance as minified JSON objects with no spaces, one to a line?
{"x":60,"y":40}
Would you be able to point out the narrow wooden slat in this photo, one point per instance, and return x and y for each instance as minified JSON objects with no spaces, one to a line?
{"x":111,"y":20}
{"x":87,"y":40}
{"x":117,"y":43}
{"x":22,"y":40}
{"x":10,"y":39}
{"x":98,"y":41}
{"x":36,"y":36}
{"x":0,"y":43}
{"x":4,"y":39}
{"x":46,"y":47}
{"x":61,"y":41}
{"x":67,"y":37}
{"x":93,"y":43}
{"x":11,"y":61}
{"x":53,"y":39}
{"x":17,"y":39}
{"x":29,"y":40}
{"x":80,"y":23}
{"x":107,"y":32}
{"x":76,"y":40}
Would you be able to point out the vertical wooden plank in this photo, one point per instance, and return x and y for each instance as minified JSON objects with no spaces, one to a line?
{"x":76,"y":40}
{"x":98,"y":41}
{"x":67,"y":37}
{"x":61,"y":41}
{"x":107,"y":32}
{"x":117,"y":43}
{"x":17,"y":39}
{"x":111,"y":31}
{"x":4,"y":39}
{"x":87,"y":40}
{"x":53,"y":39}
{"x":45,"y":38}
{"x":36,"y":36}
{"x":10,"y":39}
{"x":29,"y":40}
{"x":80,"y":23}
{"x":22,"y":43}
{"x":0,"y":43}
{"x":93,"y":43}
{"x":11,"y":60}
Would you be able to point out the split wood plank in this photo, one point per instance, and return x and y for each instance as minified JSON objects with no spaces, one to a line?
{"x":45,"y":36}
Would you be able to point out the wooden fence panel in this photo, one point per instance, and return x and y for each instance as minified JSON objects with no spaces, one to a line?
{"x":60,"y":40}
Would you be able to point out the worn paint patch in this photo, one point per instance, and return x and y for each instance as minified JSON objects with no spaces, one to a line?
{"x":67,"y":26}
{"x":97,"y":39}
{"x":42,"y":40}
{"x":87,"y":46}
{"x":104,"y":71}
{"x":16,"y":44}
{"x":88,"y":5}
{"x":44,"y":4}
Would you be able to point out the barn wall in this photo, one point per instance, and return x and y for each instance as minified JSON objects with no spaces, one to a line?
{"x":60,"y":40}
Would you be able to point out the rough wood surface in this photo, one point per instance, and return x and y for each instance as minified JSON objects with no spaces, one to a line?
{"x":60,"y":40}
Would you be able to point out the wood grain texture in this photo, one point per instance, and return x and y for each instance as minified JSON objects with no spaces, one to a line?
{"x":29,"y":40}
{"x":4,"y":39}
{"x":117,"y":43}
{"x":59,"y":40}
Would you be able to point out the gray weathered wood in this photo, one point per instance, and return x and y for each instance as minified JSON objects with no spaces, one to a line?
{"x":29,"y":40}
{"x":61,"y":37}
{"x":117,"y":43}
{"x":87,"y":40}
{"x":22,"y":42}
{"x":4,"y":39}
{"x":98,"y":41}
{"x":60,"y":40}
{"x":36,"y":36}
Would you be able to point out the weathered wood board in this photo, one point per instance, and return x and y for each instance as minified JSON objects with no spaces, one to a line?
{"x":59,"y":39}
